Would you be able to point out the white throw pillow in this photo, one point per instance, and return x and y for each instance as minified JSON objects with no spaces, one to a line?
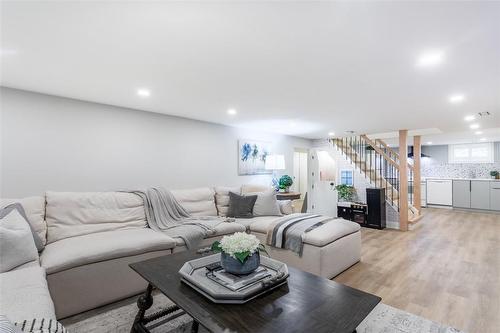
{"x":222,"y":198}
{"x":17,"y":246}
{"x":266,"y":204}
{"x":286,"y":207}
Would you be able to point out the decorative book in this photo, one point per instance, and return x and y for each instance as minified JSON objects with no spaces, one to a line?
{"x":238,"y":282}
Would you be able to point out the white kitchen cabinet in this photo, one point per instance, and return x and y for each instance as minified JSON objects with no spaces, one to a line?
{"x":461,"y":193}
{"x":439,"y":192}
{"x":495,"y":195}
{"x":423,"y":193}
{"x":480,"y":194}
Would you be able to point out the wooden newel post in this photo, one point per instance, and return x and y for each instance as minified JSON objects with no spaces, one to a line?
{"x":417,"y":191}
{"x":403,"y":180}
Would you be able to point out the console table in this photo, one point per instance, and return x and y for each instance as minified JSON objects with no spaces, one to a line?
{"x":288,"y":195}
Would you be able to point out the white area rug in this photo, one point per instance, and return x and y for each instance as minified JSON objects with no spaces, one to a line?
{"x":118,"y":318}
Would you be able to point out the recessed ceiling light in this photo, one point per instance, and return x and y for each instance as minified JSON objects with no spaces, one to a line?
{"x":231,"y":112}
{"x":482,"y":139}
{"x":429,"y":142}
{"x":474,"y":126}
{"x":331,"y":134}
{"x":478,"y":132}
{"x":143,"y":92}
{"x":430,"y":58}
{"x":455,"y":99}
{"x":469,"y":118}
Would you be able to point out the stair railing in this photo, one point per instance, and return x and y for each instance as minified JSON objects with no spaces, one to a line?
{"x":395,"y":156}
{"x":381,"y":170}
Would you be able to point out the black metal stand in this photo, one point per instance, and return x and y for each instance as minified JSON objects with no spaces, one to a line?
{"x":144,"y":302}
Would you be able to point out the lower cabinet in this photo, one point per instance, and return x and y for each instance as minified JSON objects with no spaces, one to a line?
{"x":476,"y":194}
{"x":495,"y":195}
{"x":480,"y":194}
{"x":461,"y":193}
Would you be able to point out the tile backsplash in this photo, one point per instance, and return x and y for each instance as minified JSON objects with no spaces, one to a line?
{"x":436,"y":165}
{"x":464,"y":170}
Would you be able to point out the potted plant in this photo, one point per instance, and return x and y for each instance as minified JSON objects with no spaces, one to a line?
{"x":285,"y":182}
{"x":494,"y":174}
{"x":346,"y":192}
{"x":240,"y":253}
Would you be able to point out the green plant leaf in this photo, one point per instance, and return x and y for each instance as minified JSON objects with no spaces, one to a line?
{"x":242,"y":256}
{"x":262,"y":248}
{"x":216,"y":246}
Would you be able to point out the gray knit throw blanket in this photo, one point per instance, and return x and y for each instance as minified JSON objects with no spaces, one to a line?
{"x":165,"y":214}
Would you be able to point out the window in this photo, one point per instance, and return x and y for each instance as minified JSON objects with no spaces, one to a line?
{"x":471,"y":153}
{"x":346,"y":177}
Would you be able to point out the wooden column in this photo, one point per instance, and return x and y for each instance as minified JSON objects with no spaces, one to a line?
{"x":403,"y":180}
{"x":417,"y":191}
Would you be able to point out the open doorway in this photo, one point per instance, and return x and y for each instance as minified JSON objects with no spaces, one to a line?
{"x":300,"y":176}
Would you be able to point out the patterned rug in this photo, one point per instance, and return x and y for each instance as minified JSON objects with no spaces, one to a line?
{"x":118,"y":318}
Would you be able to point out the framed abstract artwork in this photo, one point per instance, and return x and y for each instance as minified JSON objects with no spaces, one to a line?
{"x":252,"y":157}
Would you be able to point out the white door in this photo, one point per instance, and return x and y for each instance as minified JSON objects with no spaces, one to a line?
{"x":322,"y":198}
{"x":300,"y":172}
{"x":299,"y":176}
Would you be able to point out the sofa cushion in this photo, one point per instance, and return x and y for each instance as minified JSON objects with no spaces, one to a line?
{"x":25,"y":295}
{"x":34,"y":207}
{"x":224,"y":228}
{"x":330,"y":232}
{"x":253,"y":188}
{"x":266,"y":204}
{"x":320,"y":236}
{"x":222,"y":198}
{"x":258,"y":223}
{"x":286,"y":207}
{"x":17,"y":246}
{"x":20,"y":209}
{"x":197,"y":201}
{"x":70,"y":214}
{"x":86,"y":249}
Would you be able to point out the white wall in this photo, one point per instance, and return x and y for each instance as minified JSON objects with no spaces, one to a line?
{"x":53,"y":143}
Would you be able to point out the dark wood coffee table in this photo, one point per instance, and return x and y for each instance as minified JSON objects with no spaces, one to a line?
{"x":308,"y":303}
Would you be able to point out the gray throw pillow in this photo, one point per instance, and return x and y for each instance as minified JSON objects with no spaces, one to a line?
{"x":241,"y":205}
{"x":17,"y":246}
{"x":20,"y":209}
{"x":266,"y":204}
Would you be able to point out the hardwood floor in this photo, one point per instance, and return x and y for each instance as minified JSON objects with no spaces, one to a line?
{"x":447,"y":269}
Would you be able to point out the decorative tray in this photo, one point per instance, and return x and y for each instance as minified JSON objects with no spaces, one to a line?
{"x":212,"y":282}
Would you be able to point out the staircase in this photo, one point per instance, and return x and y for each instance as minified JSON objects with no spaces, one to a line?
{"x":381,"y":167}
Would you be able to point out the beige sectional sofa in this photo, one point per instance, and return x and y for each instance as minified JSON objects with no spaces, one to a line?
{"x":91,"y":238}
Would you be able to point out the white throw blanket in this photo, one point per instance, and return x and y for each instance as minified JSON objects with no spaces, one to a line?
{"x":165,"y":214}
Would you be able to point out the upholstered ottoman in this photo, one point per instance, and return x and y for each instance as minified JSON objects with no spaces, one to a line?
{"x":328,"y":250}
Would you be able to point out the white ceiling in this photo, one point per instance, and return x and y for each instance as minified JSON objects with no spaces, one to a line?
{"x":300,"y":68}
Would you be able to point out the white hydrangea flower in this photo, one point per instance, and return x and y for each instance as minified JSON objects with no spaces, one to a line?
{"x":239,"y":242}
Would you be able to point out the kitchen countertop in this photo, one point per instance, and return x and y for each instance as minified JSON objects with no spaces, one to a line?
{"x":478,"y":179}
